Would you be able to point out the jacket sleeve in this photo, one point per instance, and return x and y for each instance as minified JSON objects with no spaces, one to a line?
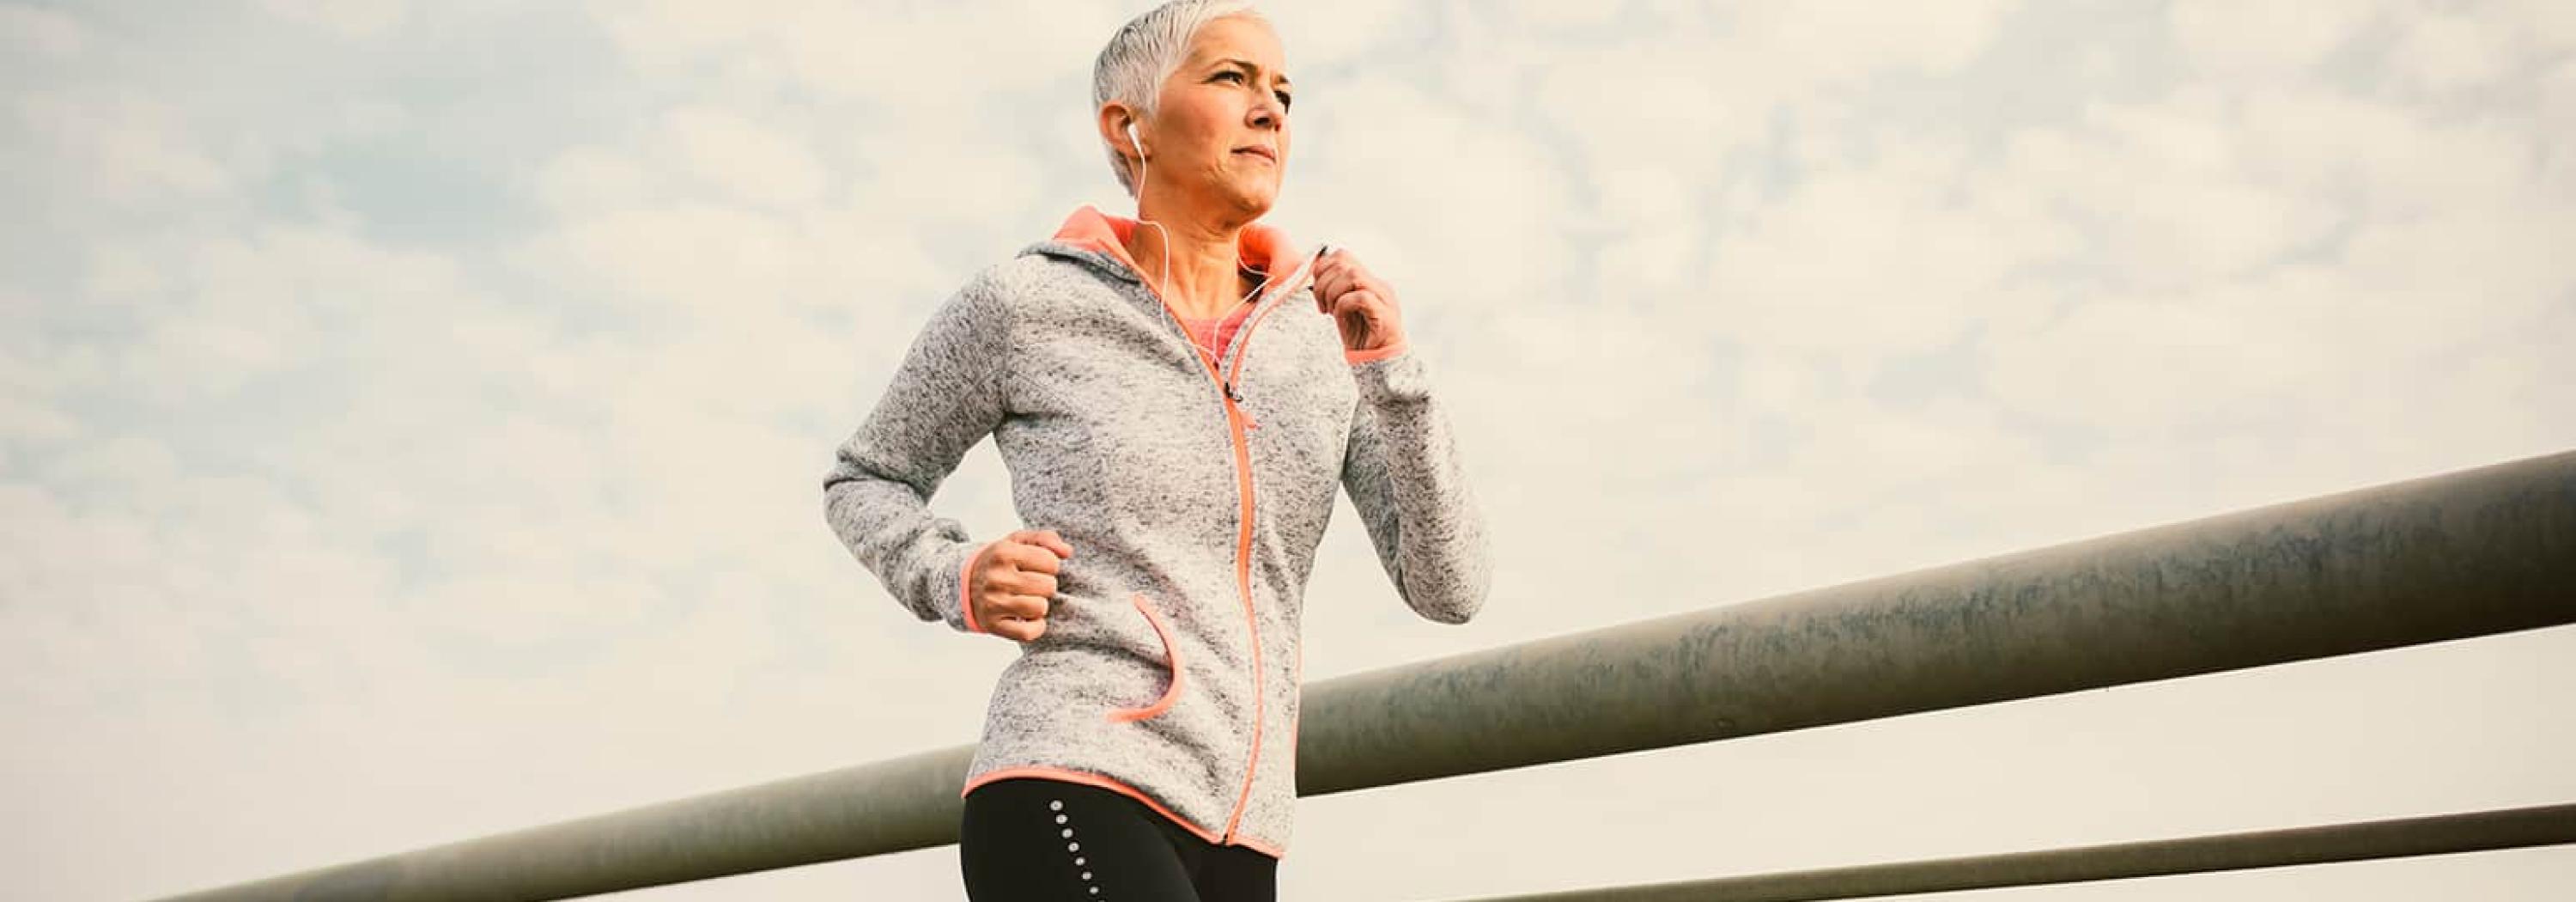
{"x":1403,"y":475}
{"x":944,"y":397}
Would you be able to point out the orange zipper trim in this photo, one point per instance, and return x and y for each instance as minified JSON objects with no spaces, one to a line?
{"x":1171,"y":655}
{"x":1243,"y":569}
{"x":1237,"y":420}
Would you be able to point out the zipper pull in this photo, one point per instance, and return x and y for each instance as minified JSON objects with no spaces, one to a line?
{"x":1238,"y":406}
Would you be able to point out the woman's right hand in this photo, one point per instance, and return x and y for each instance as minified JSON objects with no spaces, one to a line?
{"x":1012,"y":584}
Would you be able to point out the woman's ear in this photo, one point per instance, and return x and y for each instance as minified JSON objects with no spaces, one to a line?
{"x":1134,"y":143}
{"x":1115,"y":118}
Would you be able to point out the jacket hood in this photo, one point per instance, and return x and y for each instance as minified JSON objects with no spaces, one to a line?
{"x":1100,"y":239}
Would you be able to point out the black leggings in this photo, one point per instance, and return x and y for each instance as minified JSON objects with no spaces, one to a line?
{"x":1029,"y":838}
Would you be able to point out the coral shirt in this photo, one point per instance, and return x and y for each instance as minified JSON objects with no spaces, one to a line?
{"x":1213,"y":334}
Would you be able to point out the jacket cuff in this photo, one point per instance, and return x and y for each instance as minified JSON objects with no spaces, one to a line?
{"x":1356,"y":358}
{"x":1400,"y":377}
{"x":954,"y":605}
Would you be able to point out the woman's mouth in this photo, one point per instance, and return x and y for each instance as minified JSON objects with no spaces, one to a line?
{"x":1264,"y":153}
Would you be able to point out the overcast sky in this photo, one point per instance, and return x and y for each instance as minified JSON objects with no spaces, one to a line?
{"x":415,"y":413}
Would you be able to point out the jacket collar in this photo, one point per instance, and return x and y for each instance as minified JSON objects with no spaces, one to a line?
{"x":1101,"y":239}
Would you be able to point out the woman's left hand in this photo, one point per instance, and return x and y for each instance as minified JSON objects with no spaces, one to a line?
{"x":1360,"y":303}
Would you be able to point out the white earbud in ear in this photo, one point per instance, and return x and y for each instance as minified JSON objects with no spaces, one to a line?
{"x":1135,"y":142}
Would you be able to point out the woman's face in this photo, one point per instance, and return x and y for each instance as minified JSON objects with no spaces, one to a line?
{"x":1220,"y":136}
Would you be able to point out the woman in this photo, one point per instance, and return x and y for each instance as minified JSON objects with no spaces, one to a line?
{"x":1176,"y":397}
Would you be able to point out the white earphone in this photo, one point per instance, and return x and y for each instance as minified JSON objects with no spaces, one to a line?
{"x":1164,"y":285}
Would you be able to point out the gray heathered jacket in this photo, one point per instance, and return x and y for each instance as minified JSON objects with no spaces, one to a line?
{"x":1193,"y":495}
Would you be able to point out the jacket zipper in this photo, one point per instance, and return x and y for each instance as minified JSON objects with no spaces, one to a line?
{"x":1237,"y":420}
{"x":1243,"y":560}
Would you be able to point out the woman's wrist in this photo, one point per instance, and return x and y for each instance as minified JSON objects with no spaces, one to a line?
{"x":1391,"y":348}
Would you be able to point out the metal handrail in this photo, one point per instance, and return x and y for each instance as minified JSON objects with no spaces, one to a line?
{"x":2446,"y":834}
{"x":2469,"y":553}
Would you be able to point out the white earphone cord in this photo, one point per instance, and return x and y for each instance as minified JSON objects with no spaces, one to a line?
{"x":1163,"y":283}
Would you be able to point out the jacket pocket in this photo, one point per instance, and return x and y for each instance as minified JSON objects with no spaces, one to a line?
{"x":1171,"y":663}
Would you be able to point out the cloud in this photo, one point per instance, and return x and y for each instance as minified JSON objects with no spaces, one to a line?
{"x":749,"y":160}
{"x":2270,"y":39}
{"x":906,"y":57}
{"x":2443,"y":53}
{"x":45,"y":33}
{"x":349,"y":18}
{"x":1411,"y":186}
{"x":1895,"y":257}
{"x":1328,"y":35}
{"x":1694,"y":84}
{"x":2399,"y":258}
{"x":1724,"y":302}
{"x":129,"y":148}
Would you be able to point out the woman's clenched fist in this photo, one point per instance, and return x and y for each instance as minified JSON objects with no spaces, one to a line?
{"x":1012,"y":583}
{"x":1362,"y":304}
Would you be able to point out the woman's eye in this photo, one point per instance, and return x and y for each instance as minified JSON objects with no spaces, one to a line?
{"x":1286,"y":101}
{"x":1229,"y":73}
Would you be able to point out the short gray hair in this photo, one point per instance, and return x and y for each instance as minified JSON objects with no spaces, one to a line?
{"x":1132,"y":67}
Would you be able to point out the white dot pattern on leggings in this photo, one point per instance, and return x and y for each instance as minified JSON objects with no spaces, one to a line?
{"x":1078,"y":861}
